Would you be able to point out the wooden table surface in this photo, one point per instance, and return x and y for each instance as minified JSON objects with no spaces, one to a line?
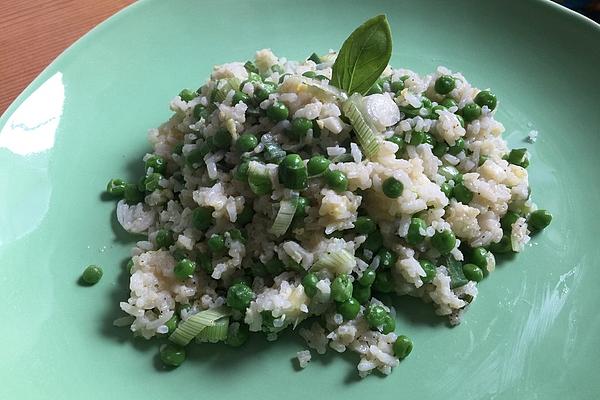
{"x":34,"y":32}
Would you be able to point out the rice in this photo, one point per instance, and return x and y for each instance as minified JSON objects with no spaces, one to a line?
{"x":216,"y":206}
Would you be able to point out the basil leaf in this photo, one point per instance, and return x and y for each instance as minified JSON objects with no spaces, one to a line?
{"x":363,"y":57}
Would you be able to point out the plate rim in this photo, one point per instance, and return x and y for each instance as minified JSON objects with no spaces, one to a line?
{"x":123,"y":13}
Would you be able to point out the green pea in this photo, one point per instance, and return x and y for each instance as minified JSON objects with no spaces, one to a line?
{"x":368,"y":277}
{"x":375,"y":315}
{"x":472,"y":272}
{"x":402,"y":347}
{"x":309,"y":282}
{"x":434,"y":111}
{"x":396,"y":139}
{"x":448,"y":102}
{"x":364,"y":225}
{"x":299,"y":128}
{"x":362,"y":294}
{"x":444,"y":84}
{"x":443,"y":241}
{"x":202,"y":218}
{"x":184,"y":268}
{"x":245,"y":217}
{"x":503,"y":246}
{"x":539,"y":219}
{"x":429,"y":269}
{"x":374,"y":241}
{"x":236,"y":234}
{"x":301,"y":204}
{"x":205,"y":263}
{"x":446,"y":189}
{"x":116,"y":187}
{"x":471,"y":112}
{"x":418,"y":138}
{"x":459,"y":145}
{"x":258,"y":269}
{"x":341,"y":289}
{"x":132,"y":195}
{"x":92,"y":274}
{"x":239,"y":296}
{"x":426,"y":103}
{"x":383,"y":282}
{"x":239,"y":96}
{"x":187,"y":95}
{"x":519,"y":157}
{"x":461,"y":120}
{"x":274,"y":266}
{"x":486,"y":98}
{"x":389,"y":325}
{"x":201,"y":111}
{"x":478,"y":257}
{"x":263,"y":91}
{"x":392,"y":187}
{"x":157,"y":163}
{"x":172,"y":355}
{"x":414,"y":235}
{"x":317,"y":165}
{"x":179,"y":254}
{"x":396,"y":86}
{"x":349,"y":309}
{"x":336,"y":180}
{"x":241,"y":171}
{"x":277,"y":112}
{"x":293,"y":173}
{"x":216,"y":243}
{"x":164,"y":239}
{"x":387,"y":258}
{"x":440,"y":149}
{"x":246,"y":142}
{"x":508,"y":220}
{"x":462,"y":194}
{"x":237,"y":337}
{"x":196,"y":156}
{"x":222,"y":139}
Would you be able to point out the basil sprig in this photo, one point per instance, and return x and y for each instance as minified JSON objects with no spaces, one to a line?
{"x":363,"y":56}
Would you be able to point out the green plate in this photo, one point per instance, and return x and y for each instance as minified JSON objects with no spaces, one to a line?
{"x":532,"y":333}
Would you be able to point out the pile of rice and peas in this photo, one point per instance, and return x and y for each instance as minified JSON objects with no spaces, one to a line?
{"x":276,"y":193}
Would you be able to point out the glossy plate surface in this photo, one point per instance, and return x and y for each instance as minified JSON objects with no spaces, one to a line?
{"x":532,"y":333}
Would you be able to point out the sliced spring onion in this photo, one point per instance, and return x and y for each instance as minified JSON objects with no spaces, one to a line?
{"x":346,"y":157}
{"x":449,"y":172}
{"x":365,"y":132}
{"x":259,"y":179}
{"x":287,"y":209}
{"x":338,"y":262}
{"x":218,"y":95}
{"x":273,"y":151}
{"x":215,"y":333}
{"x":190,"y":328}
{"x":232,"y":84}
{"x":323,"y":91}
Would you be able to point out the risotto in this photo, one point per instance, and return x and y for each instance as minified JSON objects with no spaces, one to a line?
{"x":282,"y":191}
